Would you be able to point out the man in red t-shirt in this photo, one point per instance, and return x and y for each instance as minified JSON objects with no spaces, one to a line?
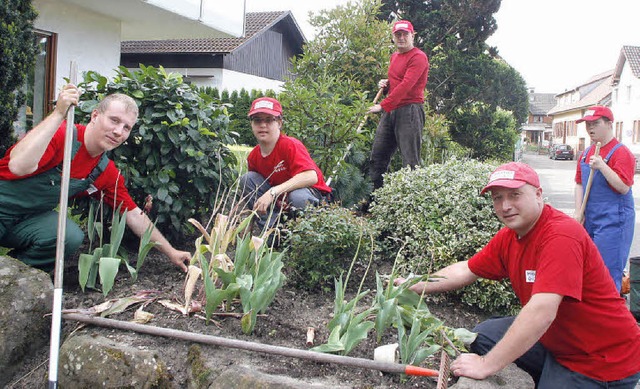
{"x":402,"y":110}
{"x":280,"y":167}
{"x":609,"y":215}
{"x":574,"y":329}
{"x":30,"y":179}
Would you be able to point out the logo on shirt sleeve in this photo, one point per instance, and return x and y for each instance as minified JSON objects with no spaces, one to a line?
{"x":530,"y":276}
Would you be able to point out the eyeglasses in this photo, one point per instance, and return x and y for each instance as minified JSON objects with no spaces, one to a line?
{"x":267,"y":120}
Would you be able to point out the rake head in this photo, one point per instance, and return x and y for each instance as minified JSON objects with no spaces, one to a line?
{"x":445,"y":370}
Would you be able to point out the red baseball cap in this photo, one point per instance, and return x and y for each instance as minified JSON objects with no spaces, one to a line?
{"x":595,"y":113}
{"x":403,"y":25}
{"x":512,"y":175}
{"x":267,"y":105}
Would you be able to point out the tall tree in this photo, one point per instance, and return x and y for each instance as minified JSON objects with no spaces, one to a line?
{"x":17,"y":56}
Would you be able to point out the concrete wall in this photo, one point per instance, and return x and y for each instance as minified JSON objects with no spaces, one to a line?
{"x":90,"y":39}
{"x":228,"y":79}
{"x":626,"y":106}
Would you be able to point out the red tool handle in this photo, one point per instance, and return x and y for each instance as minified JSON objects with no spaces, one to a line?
{"x":420,"y":371}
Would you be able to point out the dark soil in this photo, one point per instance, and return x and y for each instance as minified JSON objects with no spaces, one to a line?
{"x":285,"y":324}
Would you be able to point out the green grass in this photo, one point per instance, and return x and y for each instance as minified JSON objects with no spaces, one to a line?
{"x":241,"y":152}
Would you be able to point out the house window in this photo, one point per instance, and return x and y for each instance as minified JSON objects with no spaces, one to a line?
{"x":619,"y":130}
{"x":636,"y":131}
{"x":39,"y":86}
{"x":628,"y":93}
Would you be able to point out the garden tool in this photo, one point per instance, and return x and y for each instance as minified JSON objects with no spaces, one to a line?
{"x":387,"y":367}
{"x":445,"y":370}
{"x":358,"y":130}
{"x":56,"y":319}
{"x":587,"y":189}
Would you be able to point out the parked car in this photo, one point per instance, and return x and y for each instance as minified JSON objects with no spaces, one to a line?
{"x":561,"y":152}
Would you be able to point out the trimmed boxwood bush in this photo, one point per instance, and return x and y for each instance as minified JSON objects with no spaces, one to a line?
{"x":436,"y":217}
{"x":322,"y":244}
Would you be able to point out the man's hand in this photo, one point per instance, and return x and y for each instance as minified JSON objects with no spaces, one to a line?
{"x":180,"y":259}
{"x":472,"y":366}
{"x":417,"y":288}
{"x":263,"y":203}
{"x":375,"y":109}
{"x":596,"y":162}
{"x":69,"y":95}
{"x":383,"y":83}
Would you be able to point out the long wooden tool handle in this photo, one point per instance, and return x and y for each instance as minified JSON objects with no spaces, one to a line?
{"x":587,"y":189}
{"x":388,"y":367}
{"x":366,"y":116}
{"x":346,"y":152}
{"x":56,"y":309}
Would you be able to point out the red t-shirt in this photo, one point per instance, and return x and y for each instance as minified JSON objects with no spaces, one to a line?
{"x":594,"y":333}
{"x":407,"y":79}
{"x":287,"y":159}
{"x":111,"y":182}
{"x":622,"y":161}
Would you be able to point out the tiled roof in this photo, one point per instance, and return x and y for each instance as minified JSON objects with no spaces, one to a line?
{"x":541,"y":103}
{"x":631,"y":55}
{"x":594,"y":97}
{"x":255,"y":23}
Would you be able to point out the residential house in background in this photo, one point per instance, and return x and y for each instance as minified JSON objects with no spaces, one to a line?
{"x":90,"y":32}
{"x":261,"y":59}
{"x":571,"y":106}
{"x":538,"y":127}
{"x":625,"y":99}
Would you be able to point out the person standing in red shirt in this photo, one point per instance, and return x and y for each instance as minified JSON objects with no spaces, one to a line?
{"x":574,"y":330}
{"x":402,"y":110}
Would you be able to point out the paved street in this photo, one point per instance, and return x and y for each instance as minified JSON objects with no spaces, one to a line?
{"x":557,"y":180}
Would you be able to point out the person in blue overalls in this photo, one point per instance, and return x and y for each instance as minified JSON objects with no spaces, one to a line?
{"x":609,"y":215}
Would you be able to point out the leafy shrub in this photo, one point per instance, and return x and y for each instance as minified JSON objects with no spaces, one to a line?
{"x":18,"y":47}
{"x":322,"y":244}
{"x":436,"y":217}
{"x":177,"y":151}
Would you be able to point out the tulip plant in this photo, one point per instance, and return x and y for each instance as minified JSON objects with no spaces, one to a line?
{"x":105,"y":260}
{"x":255,"y":274}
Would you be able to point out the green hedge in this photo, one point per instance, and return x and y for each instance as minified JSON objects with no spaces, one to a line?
{"x":437,"y":217}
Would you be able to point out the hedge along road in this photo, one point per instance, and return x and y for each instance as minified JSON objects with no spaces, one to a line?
{"x":557,"y":180}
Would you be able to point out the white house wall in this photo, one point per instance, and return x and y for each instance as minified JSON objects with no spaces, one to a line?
{"x":90,"y":39}
{"x":573,"y":141}
{"x":626,"y":106}
{"x":228,"y":79}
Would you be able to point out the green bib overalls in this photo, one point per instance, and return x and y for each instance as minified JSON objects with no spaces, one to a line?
{"x":28,"y":222}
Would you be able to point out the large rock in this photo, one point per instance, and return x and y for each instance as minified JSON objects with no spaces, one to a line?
{"x":511,"y":377}
{"x":26,"y":297}
{"x":92,"y":362}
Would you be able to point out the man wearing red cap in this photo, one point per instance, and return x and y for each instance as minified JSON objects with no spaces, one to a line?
{"x":574,"y":330}
{"x":280,"y":167}
{"x":402,"y":110}
{"x":609,"y":214}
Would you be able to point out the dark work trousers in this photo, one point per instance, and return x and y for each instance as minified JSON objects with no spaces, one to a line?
{"x":400,"y":128}
{"x":539,"y":363}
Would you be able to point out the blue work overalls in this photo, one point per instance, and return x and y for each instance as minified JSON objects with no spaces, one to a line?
{"x":28,"y":221}
{"x":609,"y":218}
